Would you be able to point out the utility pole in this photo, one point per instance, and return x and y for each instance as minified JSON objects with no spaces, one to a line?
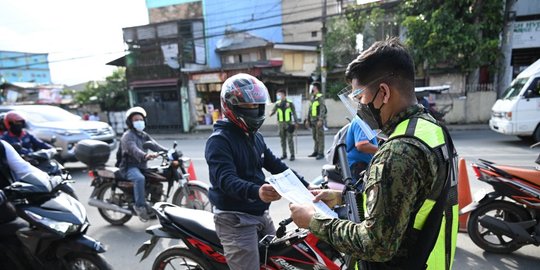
{"x":323,"y":59}
{"x":505,"y":69}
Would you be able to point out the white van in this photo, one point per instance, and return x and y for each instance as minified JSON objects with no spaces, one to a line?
{"x":518,"y":111}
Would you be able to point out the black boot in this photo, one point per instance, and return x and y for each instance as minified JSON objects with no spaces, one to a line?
{"x":283,"y":157}
{"x":314,"y":154}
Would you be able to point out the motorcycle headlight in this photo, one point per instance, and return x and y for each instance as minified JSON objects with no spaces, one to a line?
{"x":58,"y":226}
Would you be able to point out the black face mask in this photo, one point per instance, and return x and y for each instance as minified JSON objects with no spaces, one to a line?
{"x":16,"y":129}
{"x":369,"y":114}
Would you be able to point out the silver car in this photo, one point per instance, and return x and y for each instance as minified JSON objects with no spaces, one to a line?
{"x":47,"y":122}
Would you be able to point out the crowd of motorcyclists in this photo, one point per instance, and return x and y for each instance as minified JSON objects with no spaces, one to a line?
{"x":382,"y":92}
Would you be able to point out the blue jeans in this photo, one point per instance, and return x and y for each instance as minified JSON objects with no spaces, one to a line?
{"x":135,"y":175}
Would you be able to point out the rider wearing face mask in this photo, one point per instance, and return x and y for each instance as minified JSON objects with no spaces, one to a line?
{"x":134,"y":158}
{"x":16,"y":135}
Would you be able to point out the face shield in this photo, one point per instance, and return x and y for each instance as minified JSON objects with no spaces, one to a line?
{"x":352,"y":104}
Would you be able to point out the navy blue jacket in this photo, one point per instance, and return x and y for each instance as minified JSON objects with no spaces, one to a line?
{"x":235,"y":162}
{"x":27,"y":141}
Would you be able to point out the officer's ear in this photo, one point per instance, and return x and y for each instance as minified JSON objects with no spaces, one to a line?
{"x":385,"y":91}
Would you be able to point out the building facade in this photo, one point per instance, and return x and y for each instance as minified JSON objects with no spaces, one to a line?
{"x":25,"y":67}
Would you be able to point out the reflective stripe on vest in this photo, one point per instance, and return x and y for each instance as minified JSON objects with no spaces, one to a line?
{"x":433,"y":136}
{"x":288,"y":112}
{"x":315,"y":106}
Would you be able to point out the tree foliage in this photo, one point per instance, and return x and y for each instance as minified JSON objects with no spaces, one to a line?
{"x":111,"y":95}
{"x":453,"y":34}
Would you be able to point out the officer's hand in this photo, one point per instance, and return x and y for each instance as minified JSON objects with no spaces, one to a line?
{"x":307,"y":124}
{"x":150,"y":156}
{"x":267,"y":193}
{"x":329,"y":196}
{"x":319,"y":123}
{"x":302,"y":214}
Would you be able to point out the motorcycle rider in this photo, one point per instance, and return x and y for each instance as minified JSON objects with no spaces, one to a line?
{"x":410,"y":194}
{"x":134,"y":158}
{"x":12,"y":167}
{"x":17,"y":136}
{"x":236,"y":155}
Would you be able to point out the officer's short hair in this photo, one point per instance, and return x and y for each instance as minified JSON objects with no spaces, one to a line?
{"x":385,"y":61}
{"x":281,"y":90}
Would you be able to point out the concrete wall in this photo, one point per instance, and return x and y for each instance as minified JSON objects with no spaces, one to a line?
{"x":473,"y":108}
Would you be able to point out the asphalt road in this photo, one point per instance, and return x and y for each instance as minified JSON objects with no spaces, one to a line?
{"x":123,"y":241}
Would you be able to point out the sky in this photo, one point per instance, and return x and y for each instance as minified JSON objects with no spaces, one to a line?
{"x":80,"y":36}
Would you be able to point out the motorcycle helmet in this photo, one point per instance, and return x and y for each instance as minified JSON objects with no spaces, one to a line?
{"x":131,"y":112}
{"x":14,"y":122}
{"x":244,"y":89}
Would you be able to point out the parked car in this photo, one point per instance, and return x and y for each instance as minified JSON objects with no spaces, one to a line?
{"x":47,"y":122}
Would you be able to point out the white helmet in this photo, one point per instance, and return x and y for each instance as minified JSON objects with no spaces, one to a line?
{"x":131,"y":112}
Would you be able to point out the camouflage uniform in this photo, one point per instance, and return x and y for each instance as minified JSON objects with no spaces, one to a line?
{"x":317,"y":112}
{"x":285,"y":109}
{"x":399,"y":179}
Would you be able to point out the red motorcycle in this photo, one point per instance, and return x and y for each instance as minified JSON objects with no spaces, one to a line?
{"x":297,"y":249}
{"x":509,"y":217}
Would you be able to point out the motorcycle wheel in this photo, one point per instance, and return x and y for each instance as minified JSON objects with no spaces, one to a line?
{"x":106,"y":194}
{"x":179,"y":258}
{"x":197,"y":198}
{"x":488,"y":240}
{"x":86,"y":261}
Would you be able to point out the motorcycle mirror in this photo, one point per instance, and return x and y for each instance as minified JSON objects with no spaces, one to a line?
{"x":174,"y":145}
{"x":53,"y":139}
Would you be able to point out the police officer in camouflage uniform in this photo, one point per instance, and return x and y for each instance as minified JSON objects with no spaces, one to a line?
{"x":409,"y":199}
{"x":286,"y":116}
{"x":315,"y":119}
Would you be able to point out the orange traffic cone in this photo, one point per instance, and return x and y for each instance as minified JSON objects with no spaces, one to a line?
{"x":191,"y":171}
{"x":464,"y":193}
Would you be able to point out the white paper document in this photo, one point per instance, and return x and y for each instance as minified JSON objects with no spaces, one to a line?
{"x":292,"y":189}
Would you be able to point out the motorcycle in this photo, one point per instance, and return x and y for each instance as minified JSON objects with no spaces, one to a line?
{"x":509,"y":217}
{"x":113,"y":194}
{"x":56,"y":236}
{"x":296,"y":249}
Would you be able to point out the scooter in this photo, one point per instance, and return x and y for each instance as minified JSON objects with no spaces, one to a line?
{"x":56,"y":236}
{"x":113,"y":194}
{"x":509,"y":217}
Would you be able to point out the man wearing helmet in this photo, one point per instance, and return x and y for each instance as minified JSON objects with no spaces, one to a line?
{"x":15,"y":134}
{"x":134,"y":157}
{"x":236,"y":154}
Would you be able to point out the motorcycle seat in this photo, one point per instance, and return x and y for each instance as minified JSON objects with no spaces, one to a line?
{"x":108,"y":172}
{"x":531,"y":175}
{"x":198,"y":222}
